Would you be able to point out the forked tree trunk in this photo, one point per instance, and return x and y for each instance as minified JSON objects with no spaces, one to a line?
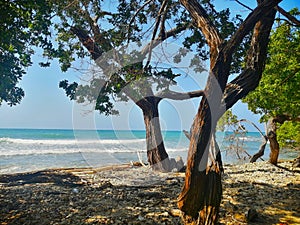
{"x":274,"y":145}
{"x":201,"y":194}
{"x":156,"y":152}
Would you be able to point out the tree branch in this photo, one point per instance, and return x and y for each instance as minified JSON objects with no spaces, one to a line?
{"x":288,"y":16}
{"x":249,"y":23}
{"x":242,"y":4}
{"x":203,"y":22}
{"x":179,"y":95}
{"x":162,"y":10}
{"x":135,"y":14}
{"x":285,"y":117}
{"x":256,"y":56}
{"x":88,"y":42}
{"x":96,"y":52}
{"x":170,"y":33}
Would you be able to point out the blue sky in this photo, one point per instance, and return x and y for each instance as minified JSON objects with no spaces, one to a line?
{"x":46,"y":106}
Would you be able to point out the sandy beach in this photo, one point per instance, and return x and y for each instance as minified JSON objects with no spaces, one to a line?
{"x":257,"y":193}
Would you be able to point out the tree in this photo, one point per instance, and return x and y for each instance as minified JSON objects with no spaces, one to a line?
{"x":130,"y":80}
{"x":277,"y":96}
{"x":201,"y":195}
{"x":92,"y":31}
{"x":24,"y":24}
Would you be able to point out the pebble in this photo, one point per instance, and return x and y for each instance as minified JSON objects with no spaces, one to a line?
{"x":141,"y":196}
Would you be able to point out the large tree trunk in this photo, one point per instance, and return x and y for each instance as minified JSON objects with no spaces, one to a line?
{"x":156,"y":152}
{"x":201,"y":194}
{"x":274,"y":145}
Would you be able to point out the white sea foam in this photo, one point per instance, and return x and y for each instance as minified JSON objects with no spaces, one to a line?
{"x":11,"y":147}
{"x":68,"y":141}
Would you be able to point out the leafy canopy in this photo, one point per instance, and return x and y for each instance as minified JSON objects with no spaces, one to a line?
{"x":24,"y":24}
{"x":288,"y":134}
{"x":114,"y":25}
{"x":278,"y":92}
{"x":50,"y":25}
{"x":227,"y":120}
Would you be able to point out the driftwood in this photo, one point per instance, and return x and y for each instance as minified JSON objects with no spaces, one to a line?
{"x":261,"y":150}
{"x":262,"y":147}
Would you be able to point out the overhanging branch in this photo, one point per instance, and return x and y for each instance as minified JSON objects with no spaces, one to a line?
{"x":173,"y":95}
{"x":291,"y":18}
{"x":208,"y":29}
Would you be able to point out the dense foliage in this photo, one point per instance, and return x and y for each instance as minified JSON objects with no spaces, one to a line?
{"x":228,"y":119}
{"x":114,"y":26}
{"x":27,"y":24}
{"x":278,"y":92}
{"x":289,"y":134}
{"x":24,"y":24}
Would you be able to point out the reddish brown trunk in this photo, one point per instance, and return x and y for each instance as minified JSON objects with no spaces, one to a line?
{"x":201,"y":194}
{"x":156,"y":152}
{"x":274,"y":145}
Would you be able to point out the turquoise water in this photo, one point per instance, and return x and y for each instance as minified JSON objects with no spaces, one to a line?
{"x":34,"y":149}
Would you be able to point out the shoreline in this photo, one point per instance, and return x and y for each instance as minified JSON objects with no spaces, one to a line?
{"x":136,"y":195}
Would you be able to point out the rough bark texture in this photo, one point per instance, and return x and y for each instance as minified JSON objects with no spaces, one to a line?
{"x":156,"y":152}
{"x":274,"y":145}
{"x":201,"y":194}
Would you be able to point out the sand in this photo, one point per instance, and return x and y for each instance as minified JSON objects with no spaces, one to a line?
{"x":126,"y":194}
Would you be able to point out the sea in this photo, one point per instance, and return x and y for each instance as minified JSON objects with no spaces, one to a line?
{"x":24,"y":150}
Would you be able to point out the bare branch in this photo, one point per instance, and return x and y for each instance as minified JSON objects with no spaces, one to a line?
{"x":179,"y":95}
{"x":242,"y":4}
{"x":170,"y":33}
{"x":285,"y":20}
{"x":158,"y":20}
{"x":254,"y":125}
{"x":135,"y":14}
{"x":288,"y":16}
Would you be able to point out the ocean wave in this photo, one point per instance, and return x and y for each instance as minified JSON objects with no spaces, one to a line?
{"x":67,"y":141}
{"x":15,"y":147}
{"x":74,"y":151}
